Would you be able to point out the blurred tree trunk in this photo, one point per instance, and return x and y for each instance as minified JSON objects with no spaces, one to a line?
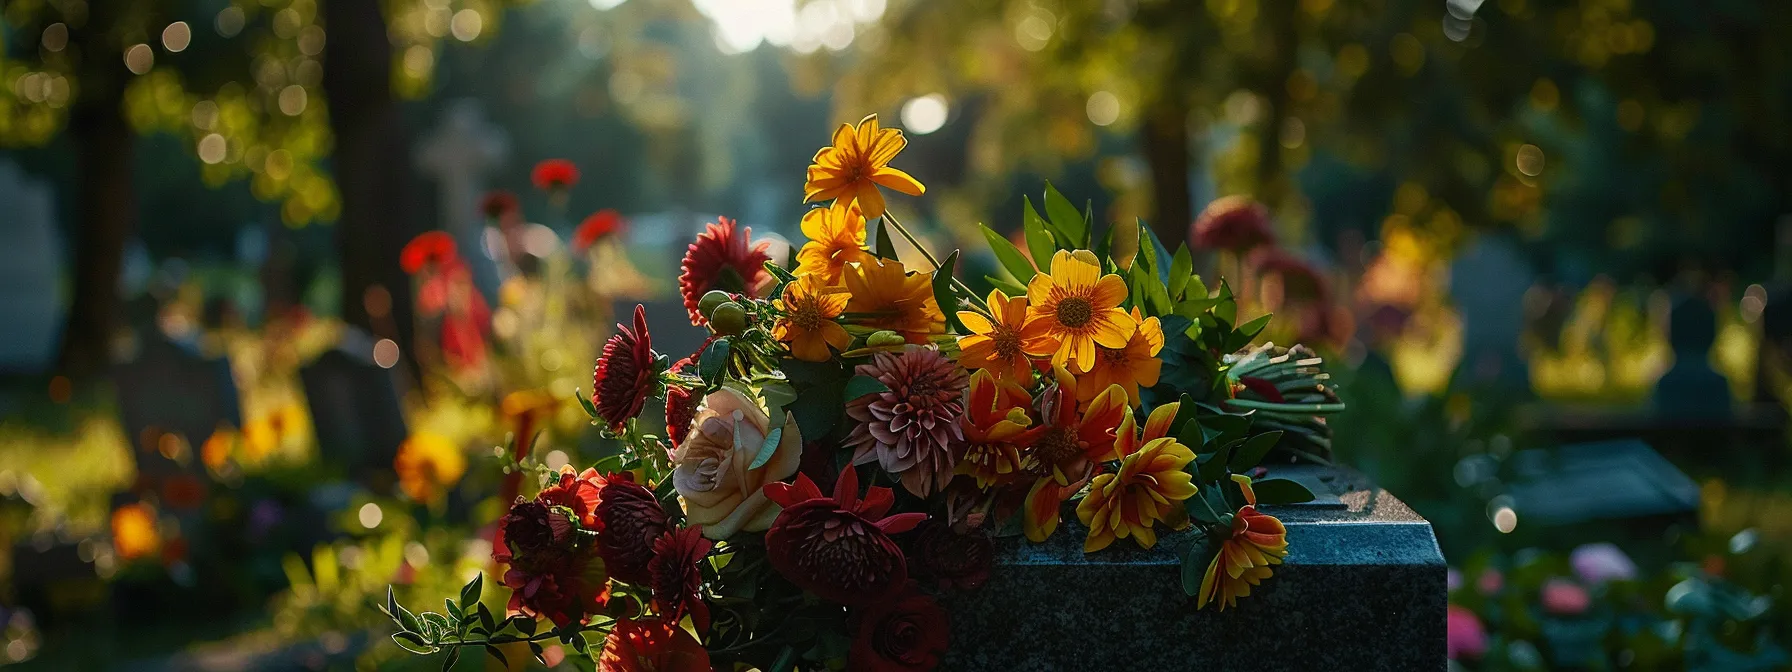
{"x":1165,"y":131}
{"x":1273,"y":184}
{"x":107,"y":200}
{"x":371,"y":161}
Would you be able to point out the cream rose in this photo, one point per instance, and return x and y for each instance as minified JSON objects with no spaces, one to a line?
{"x":711,"y":470}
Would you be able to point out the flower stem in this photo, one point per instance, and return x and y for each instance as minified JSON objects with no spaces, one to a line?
{"x":976,"y":302}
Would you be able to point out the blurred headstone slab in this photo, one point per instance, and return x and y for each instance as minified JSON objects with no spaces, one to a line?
{"x":1488,"y":282}
{"x":1691,"y":388}
{"x":30,"y":272}
{"x":458,"y":153}
{"x":1622,"y":480}
{"x":357,"y":413}
{"x":53,"y":577}
{"x":1363,"y":588}
{"x":168,"y":389}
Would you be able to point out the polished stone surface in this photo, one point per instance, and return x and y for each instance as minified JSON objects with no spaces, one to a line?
{"x":1363,"y":588}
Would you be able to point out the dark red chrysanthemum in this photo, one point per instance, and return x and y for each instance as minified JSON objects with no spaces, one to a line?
{"x":953,"y":560}
{"x":838,"y":547}
{"x":677,"y":578}
{"x":566,"y":592}
{"x":553,"y":572}
{"x":534,"y":533}
{"x":723,"y":257}
{"x":682,"y":400}
{"x":905,"y":634}
{"x":554,"y":174}
{"x":599,"y":224}
{"x":631,"y":519}
{"x":626,"y":373}
{"x":1234,"y":223}
{"x":428,"y":248}
{"x":498,"y":203}
{"x":651,"y":645}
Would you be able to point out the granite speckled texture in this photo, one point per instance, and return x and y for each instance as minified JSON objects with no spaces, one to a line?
{"x":1363,"y":588}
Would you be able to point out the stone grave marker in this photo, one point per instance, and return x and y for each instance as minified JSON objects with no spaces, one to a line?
{"x":1488,"y":282}
{"x":1622,"y":482}
{"x":1363,"y":588}
{"x":458,"y":153}
{"x":1692,"y":387}
{"x":357,"y":413}
{"x":30,"y":272}
{"x":169,"y":389}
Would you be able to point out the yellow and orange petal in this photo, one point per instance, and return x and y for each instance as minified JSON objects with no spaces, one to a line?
{"x":427,"y":464}
{"x":836,"y":238}
{"x":1147,"y":489}
{"x":810,"y":305}
{"x":995,"y":344}
{"x":1131,"y":366}
{"x":1069,"y":441}
{"x":1073,"y":309}
{"x":850,"y":171}
{"x":1129,"y":437}
{"x":888,"y":297}
{"x":1258,"y":540}
{"x":996,"y":430}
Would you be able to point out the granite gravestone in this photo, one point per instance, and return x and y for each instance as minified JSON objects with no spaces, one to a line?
{"x":357,"y":414}
{"x":1623,"y":482}
{"x":30,"y":272}
{"x":1488,"y":282}
{"x":170,"y":400}
{"x":1363,"y":588}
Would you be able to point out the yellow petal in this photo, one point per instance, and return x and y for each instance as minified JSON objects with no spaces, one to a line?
{"x":898,"y":180}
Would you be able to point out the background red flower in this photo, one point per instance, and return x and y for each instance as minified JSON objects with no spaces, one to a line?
{"x":554,"y":174}
{"x":599,"y":224}
{"x":626,"y":373}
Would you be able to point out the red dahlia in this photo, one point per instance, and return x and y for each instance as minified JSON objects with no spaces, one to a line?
{"x":900,"y":635}
{"x":427,"y":249}
{"x":838,"y":547}
{"x":1234,"y":223}
{"x":554,"y":174}
{"x":497,"y":203}
{"x":651,"y":645}
{"x":579,"y":492}
{"x":723,"y":257}
{"x":565,"y":592}
{"x":551,"y":572}
{"x":677,"y":577}
{"x":599,"y":224}
{"x":631,"y":519}
{"x":626,"y":373}
{"x":682,"y":401}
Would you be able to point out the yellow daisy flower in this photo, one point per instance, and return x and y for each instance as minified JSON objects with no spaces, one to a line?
{"x":1129,"y":367}
{"x":836,"y":238}
{"x":886,"y":296}
{"x":1074,"y":308}
{"x":808,"y":327}
{"x":858,"y":162}
{"x":994,"y":343}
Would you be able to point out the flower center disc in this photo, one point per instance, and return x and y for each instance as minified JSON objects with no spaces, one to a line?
{"x":1075,"y":312}
{"x":1056,"y":447}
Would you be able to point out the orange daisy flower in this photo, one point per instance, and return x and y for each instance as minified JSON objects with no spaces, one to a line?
{"x":1131,"y":366}
{"x":1062,"y":456}
{"x":1074,"y":308}
{"x":808,"y":325}
{"x":996,"y":430}
{"x":858,"y":162}
{"x":1258,"y":540}
{"x":1147,"y":489}
{"x":995,"y":344}
{"x":891,"y":298}
{"x":836,"y":238}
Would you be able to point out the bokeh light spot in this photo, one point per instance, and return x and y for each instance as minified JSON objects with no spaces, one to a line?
{"x":924,"y":114}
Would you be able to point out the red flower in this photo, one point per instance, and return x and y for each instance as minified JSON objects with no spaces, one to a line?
{"x":631,"y":519}
{"x":551,"y":574}
{"x":497,"y":203}
{"x":957,"y":561}
{"x":651,"y":645}
{"x":1234,"y":223}
{"x":681,"y":401}
{"x":900,"y":635}
{"x":554,"y":174}
{"x":428,"y":248}
{"x":599,"y":224}
{"x":838,"y":547}
{"x":580,"y":493}
{"x":1301,"y":282}
{"x":677,"y":577}
{"x":626,"y":373}
{"x":723,"y":257}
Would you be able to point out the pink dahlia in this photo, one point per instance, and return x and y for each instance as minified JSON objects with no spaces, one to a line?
{"x":626,"y":373}
{"x":838,"y":547}
{"x":1234,"y":223}
{"x":723,"y":257}
{"x":910,"y":429}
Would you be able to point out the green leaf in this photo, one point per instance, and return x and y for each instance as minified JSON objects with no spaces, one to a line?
{"x":1212,"y":467}
{"x":392,"y":607}
{"x":820,"y":388}
{"x":1160,"y":255}
{"x":943,"y":293}
{"x":536,"y":649}
{"x":408,"y":621}
{"x":1148,"y":293}
{"x":412,"y":642}
{"x":1253,"y":450}
{"x":779,"y":271}
{"x":585,"y":403}
{"x":455,"y":615}
{"x":1254,"y":327}
{"x":1194,"y":566}
{"x":1106,"y":245}
{"x":1147,"y":254}
{"x":1227,"y":308}
{"x":486,"y":623}
{"x":768,"y":448}
{"x":497,"y":653}
{"x":859,"y":386}
{"x":1225,"y":427}
{"x":1010,"y":256}
{"x":1281,"y":491}
{"x":1073,"y":232}
{"x":523,"y":624}
{"x":713,"y":361}
{"x":1199,"y":509}
{"x":885,"y":247}
{"x":1039,"y":238}
{"x":469,"y":594}
{"x":452,"y":658}
{"x":1007,"y":286}
{"x":1182,"y":266}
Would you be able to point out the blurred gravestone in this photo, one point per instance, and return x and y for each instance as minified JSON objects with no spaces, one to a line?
{"x":458,"y":154}
{"x":356,"y":412}
{"x":1488,"y":282}
{"x":170,"y":400}
{"x":30,"y":272}
{"x":1598,"y":484}
{"x":656,"y":244}
{"x":1692,"y":388}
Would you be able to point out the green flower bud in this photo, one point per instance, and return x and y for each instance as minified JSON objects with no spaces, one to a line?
{"x":884,"y":339}
{"x":728,"y":319}
{"x":713,"y":298}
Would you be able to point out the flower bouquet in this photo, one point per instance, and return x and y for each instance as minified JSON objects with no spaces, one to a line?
{"x":856,"y":431}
